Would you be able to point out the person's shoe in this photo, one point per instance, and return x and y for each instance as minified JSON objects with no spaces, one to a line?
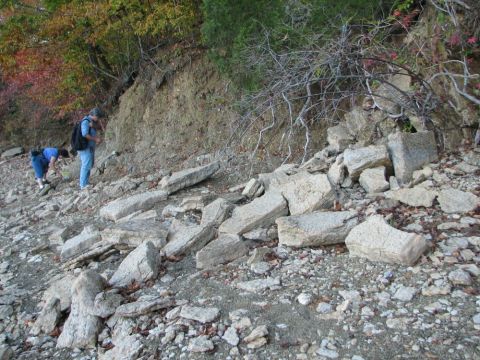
{"x":87,"y":187}
{"x":44,"y":190}
{"x":45,"y":182}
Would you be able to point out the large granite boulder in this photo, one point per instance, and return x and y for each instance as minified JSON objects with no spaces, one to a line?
{"x":410,"y":152}
{"x":315,"y":229}
{"x":375,"y":240}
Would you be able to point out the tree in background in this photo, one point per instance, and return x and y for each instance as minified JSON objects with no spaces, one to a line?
{"x":67,"y":55}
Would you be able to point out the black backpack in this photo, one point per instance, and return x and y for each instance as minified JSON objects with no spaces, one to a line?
{"x":78,"y":141}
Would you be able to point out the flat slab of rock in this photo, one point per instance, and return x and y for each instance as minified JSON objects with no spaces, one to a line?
{"x":60,"y":289}
{"x":357,"y":160}
{"x":457,"y":201}
{"x":134,"y":232}
{"x":315,"y":229}
{"x":338,"y":137}
{"x":188,"y":177}
{"x":226,"y":248}
{"x":261,"y":212}
{"x":144,"y":306}
{"x":200,"y":344}
{"x":79,"y":244}
{"x":140,"y":265}
{"x":305,"y":192}
{"x":413,"y":197}
{"x":82,"y":328}
{"x":200,"y":314}
{"x":216,"y":212}
{"x":375,"y":240}
{"x":127,"y":348}
{"x":259,"y":285}
{"x":183,"y":239}
{"x":119,"y":208}
{"x":410,"y":152}
{"x":12,"y":152}
{"x":373,"y":180}
{"x":48,"y":318}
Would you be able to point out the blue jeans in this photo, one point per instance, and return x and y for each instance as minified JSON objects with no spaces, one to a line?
{"x":40,"y":166}
{"x":87,"y":158}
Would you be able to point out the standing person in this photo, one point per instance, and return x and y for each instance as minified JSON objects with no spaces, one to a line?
{"x":87,"y":156}
{"x":45,"y":160}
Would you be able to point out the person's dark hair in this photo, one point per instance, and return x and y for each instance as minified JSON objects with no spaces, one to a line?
{"x":96,"y":112}
{"x":63,"y":153}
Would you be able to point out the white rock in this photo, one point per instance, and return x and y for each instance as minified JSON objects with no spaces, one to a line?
{"x":259,"y":284}
{"x":188,"y":177}
{"x":456,"y":201}
{"x":220,"y":251}
{"x":140,"y":265}
{"x":375,"y":240}
{"x":80,"y":243}
{"x":460,"y":277}
{"x":261,"y":212}
{"x":183,"y":238}
{"x":216,"y":212}
{"x":200,"y":344}
{"x":119,"y":208}
{"x":367,"y":157}
{"x":373,"y":180}
{"x":200,"y":314}
{"x":305,"y":299}
{"x":231,"y":336}
{"x":315,"y":229}
{"x":405,"y":293}
{"x":413,"y":197}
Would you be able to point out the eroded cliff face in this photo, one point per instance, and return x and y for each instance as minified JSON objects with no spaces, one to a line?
{"x":173,"y":115}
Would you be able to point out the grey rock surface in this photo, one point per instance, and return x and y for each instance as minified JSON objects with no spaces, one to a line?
{"x":225,"y":248}
{"x":338,"y":137}
{"x":80,"y":243}
{"x":261,"y":212}
{"x":119,"y":208}
{"x":360,"y":159}
{"x":375,"y":240}
{"x":200,"y":314}
{"x":134,"y":232}
{"x":306,"y":193}
{"x":12,"y":152}
{"x":185,"y":178}
{"x":183,"y":238}
{"x":315,"y":229}
{"x":410,"y":152}
{"x":457,"y":201}
{"x":416,"y":196}
{"x":216,"y":212}
{"x":144,"y":306}
{"x":81,"y":328}
{"x":48,"y":318}
{"x":140,"y":265}
{"x":373,"y":180}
